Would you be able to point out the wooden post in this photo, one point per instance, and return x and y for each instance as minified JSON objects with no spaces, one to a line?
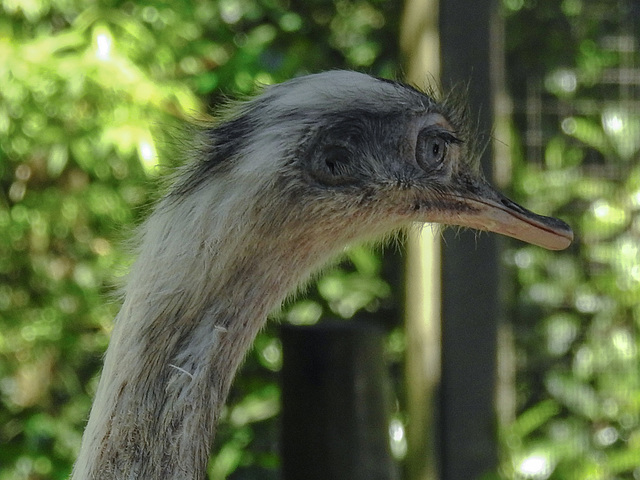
{"x":419,"y":42}
{"x":335,"y":403}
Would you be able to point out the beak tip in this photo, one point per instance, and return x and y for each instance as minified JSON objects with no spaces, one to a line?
{"x":564,"y":241}
{"x":559,"y":238}
{"x":560,"y":244}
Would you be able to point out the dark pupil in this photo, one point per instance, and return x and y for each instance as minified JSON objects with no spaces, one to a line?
{"x":436,"y":148}
{"x":430,"y":150}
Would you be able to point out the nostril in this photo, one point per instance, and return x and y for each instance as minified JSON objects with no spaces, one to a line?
{"x":512,"y":205}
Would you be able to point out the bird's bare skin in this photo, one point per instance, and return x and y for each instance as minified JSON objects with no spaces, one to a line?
{"x":284,"y":183}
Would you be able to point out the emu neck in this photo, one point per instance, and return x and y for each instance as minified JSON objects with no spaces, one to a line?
{"x":162,"y":389}
{"x":193,"y":306}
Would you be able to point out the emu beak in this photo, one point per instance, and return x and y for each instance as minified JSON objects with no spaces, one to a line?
{"x":483,"y":208}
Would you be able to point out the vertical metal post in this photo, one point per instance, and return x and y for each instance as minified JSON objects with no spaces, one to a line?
{"x":470,"y":306}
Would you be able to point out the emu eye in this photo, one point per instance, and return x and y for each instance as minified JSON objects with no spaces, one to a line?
{"x":430,"y":149}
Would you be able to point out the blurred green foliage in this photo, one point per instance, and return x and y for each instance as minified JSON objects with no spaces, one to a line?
{"x":92,"y":99}
{"x":577,"y":313}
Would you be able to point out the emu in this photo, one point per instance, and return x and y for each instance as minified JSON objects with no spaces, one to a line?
{"x":281,"y":185}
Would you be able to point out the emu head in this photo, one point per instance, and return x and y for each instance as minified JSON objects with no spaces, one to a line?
{"x":342,"y":155}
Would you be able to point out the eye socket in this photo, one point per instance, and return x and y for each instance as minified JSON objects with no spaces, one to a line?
{"x":431,"y":149}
